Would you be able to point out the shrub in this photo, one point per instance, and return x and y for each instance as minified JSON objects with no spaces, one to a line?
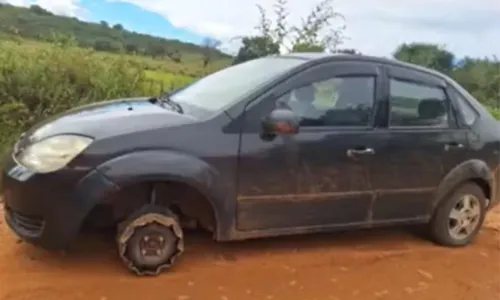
{"x":167,"y":81}
{"x":495,"y":112}
{"x":38,"y":82}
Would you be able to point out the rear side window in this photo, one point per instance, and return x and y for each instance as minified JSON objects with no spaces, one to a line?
{"x":469,"y":114}
{"x":414,"y":104}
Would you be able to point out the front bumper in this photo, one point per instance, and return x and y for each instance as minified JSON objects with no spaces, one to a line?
{"x":48,"y":209}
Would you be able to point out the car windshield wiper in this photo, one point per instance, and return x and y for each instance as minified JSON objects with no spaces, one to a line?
{"x":165,"y":99}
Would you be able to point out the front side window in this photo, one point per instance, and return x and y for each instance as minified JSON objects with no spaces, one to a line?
{"x":415,"y":104}
{"x":220,"y":89}
{"x":338,"y":101}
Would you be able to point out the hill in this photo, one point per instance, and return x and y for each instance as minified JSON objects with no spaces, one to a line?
{"x":39,"y":24}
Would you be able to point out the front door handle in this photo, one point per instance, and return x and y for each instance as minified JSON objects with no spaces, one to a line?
{"x":356,"y":152}
{"x":453,"y":145}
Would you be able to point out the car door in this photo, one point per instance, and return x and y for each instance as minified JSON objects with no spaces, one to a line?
{"x":320,"y":176}
{"x":423,"y":143}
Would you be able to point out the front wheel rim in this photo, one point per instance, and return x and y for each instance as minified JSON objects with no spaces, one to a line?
{"x":142,"y":221}
{"x":154,"y":248}
{"x":464,"y":217}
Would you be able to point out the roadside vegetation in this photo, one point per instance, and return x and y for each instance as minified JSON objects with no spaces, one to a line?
{"x":49,"y":63}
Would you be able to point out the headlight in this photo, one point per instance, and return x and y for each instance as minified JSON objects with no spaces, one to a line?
{"x":53,"y":153}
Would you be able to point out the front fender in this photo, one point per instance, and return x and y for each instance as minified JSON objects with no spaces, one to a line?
{"x":161,"y":165}
{"x":166,"y":165}
{"x":471,"y":169}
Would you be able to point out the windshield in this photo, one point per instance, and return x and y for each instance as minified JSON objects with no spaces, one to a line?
{"x":217,"y":90}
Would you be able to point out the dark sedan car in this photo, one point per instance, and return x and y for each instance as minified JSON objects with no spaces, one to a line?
{"x":279,"y":145}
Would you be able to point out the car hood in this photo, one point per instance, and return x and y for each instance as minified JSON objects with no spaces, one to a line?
{"x":108,"y":118}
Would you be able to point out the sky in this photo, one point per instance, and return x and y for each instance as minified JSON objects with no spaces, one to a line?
{"x":465,"y":27}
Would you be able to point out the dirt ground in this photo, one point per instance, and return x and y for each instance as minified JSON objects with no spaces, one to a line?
{"x":391,"y":264}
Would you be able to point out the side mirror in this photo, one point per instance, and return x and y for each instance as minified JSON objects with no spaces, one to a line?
{"x":281,"y":122}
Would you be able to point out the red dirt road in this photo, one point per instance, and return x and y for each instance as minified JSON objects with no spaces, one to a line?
{"x":390,"y":264}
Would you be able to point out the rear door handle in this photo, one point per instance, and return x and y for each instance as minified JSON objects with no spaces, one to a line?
{"x":356,"y":152}
{"x":453,"y":145}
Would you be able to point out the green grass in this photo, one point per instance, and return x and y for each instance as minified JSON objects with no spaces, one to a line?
{"x":166,"y":81}
{"x":495,"y":112}
{"x":190,"y":66}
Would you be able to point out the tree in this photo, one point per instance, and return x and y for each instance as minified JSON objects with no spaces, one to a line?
{"x":61,"y":39}
{"x":315,"y":34}
{"x":131,"y":48}
{"x":427,"y":55}
{"x":118,"y":27}
{"x":481,"y":77}
{"x":156,"y":50}
{"x":255,"y":47}
{"x":104,"y":24}
{"x":37,"y":9}
{"x":174,"y":55}
{"x":210,"y":47}
{"x":102,"y":44}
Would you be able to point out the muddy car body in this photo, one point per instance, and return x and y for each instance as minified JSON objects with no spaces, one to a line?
{"x":280,"y":145}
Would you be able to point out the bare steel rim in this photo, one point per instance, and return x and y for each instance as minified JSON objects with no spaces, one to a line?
{"x":464,"y":217}
{"x":145,"y":244}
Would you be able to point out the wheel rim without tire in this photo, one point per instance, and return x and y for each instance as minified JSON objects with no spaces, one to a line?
{"x":464,"y":217}
{"x":152,"y":248}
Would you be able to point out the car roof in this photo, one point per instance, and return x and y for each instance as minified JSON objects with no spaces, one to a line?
{"x":322,"y":56}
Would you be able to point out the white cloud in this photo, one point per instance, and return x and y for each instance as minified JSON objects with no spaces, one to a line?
{"x":374,"y":27}
{"x":16,"y":2}
{"x":70,"y":8}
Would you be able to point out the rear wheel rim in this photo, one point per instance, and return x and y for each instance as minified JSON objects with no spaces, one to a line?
{"x":464,"y":217}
